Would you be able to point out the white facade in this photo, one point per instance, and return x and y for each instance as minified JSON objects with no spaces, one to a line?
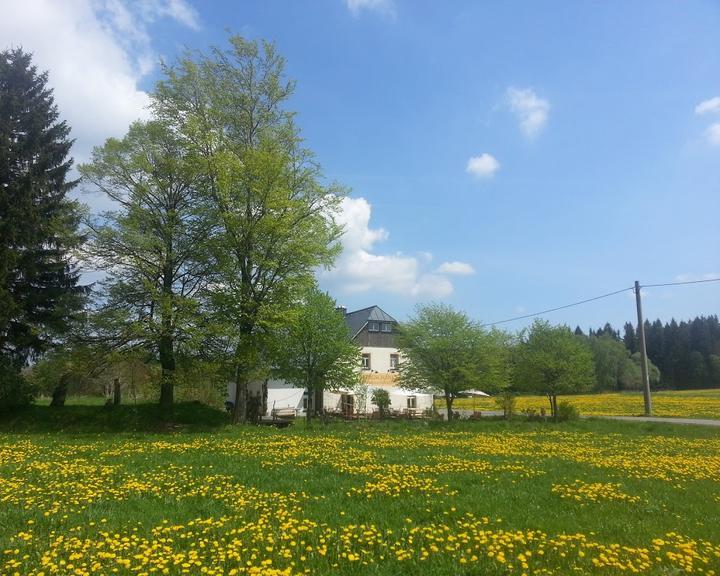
{"x":381,"y":359}
{"x":285,"y":399}
{"x":378,"y":369}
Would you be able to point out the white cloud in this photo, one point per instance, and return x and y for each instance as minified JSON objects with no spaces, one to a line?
{"x":385,"y":7}
{"x":483,"y":166}
{"x":361,"y":268}
{"x":96,"y":53}
{"x":178,"y":10}
{"x":458,"y":268}
{"x":712,"y":133}
{"x":531,"y":111}
{"x":708,"y":106}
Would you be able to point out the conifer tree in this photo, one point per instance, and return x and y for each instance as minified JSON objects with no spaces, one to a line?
{"x":39,"y":291}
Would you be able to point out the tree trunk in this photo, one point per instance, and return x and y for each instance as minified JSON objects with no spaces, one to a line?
{"x":59,"y":394}
{"x":449,"y":403}
{"x":167,"y":365}
{"x":240,"y":406}
{"x":554,"y":407}
{"x":167,"y":343}
{"x":116,"y":392}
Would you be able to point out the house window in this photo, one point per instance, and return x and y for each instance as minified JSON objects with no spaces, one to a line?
{"x":386,"y":327}
{"x":373,"y":327}
{"x":366,"y":361}
{"x":412,"y":401}
{"x":394,"y":361}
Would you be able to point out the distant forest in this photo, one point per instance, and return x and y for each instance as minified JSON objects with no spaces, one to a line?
{"x":687,"y":353}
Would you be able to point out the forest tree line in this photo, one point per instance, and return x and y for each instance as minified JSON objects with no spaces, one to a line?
{"x":686,"y":353}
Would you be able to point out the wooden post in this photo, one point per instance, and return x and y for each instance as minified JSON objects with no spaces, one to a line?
{"x":643,"y":352}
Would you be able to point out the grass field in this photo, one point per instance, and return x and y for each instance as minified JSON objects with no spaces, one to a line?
{"x":369,"y":498}
{"x":685,"y":404}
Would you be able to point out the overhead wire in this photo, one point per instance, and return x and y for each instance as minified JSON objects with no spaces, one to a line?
{"x":559,"y":307}
{"x":629,"y":288}
{"x":680,"y":283}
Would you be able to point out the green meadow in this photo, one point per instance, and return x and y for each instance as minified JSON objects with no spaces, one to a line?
{"x":490,"y":497}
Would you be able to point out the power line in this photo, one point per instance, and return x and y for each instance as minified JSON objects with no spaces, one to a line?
{"x":524,"y":316}
{"x":558,"y":308}
{"x":680,"y":283}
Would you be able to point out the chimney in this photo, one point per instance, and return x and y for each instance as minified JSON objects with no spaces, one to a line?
{"x":342,"y":309}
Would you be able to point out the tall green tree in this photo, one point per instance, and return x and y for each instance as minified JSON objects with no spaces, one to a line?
{"x":275,"y":214}
{"x":315,"y":351}
{"x":153,"y":247}
{"x":615,"y":367}
{"x":40,"y":293}
{"x":447,"y":353}
{"x":551,"y":360}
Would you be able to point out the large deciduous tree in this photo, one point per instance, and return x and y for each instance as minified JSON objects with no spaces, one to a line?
{"x":551,"y":360}
{"x":315,"y":351}
{"x":447,"y":353}
{"x":153,"y":247}
{"x":275,"y":214}
{"x":39,"y":290}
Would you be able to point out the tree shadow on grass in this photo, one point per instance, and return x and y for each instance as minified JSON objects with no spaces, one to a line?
{"x":185,"y":416}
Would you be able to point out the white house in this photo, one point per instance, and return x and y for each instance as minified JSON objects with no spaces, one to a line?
{"x":374,"y":330}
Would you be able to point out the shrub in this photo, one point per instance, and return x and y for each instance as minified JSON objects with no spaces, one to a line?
{"x":567,"y":411}
{"x":381,"y":399}
{"x":15,"y":391}
{"x":506,"y":401}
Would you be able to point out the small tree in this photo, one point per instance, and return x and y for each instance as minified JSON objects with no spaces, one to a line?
{"x":552,"y":361}
{"x":447,"y":353}
{"x":381,"y":399}
{"x":315,"y":351}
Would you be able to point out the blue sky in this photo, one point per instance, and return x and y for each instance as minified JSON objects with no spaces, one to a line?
{"x":502,"y":157}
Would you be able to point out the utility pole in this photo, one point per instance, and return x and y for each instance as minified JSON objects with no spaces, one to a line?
{"x":643,"y":352}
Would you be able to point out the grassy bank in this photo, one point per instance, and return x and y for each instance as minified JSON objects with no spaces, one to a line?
{"x":378,"y":498}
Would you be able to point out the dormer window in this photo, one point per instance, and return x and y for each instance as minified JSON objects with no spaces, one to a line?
{"x":386,"y":327}
{"x":373,"y":327}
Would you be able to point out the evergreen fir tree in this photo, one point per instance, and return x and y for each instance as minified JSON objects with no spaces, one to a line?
{"x":39,"y":291}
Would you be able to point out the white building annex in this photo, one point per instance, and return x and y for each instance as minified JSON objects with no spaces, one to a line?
{"x":374,"y":330}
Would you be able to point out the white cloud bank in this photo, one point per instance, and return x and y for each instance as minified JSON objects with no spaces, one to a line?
{"x":709,"y":106}
{"x":384,"y":7}
{"x":531,"y":110}
{"x":483,"y":166}
{"x":361,"y":268}
{"x":712,"y":133}
{"x":96,"y":52}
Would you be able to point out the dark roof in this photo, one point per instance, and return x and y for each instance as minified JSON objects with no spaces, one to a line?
{"x":356,"y":320}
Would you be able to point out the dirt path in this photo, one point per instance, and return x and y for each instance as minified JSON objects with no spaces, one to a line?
{"x":689,"y":421}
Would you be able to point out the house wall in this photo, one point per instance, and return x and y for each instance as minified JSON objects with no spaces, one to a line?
{"x":281,"y":394}
{"x":379,"y":357}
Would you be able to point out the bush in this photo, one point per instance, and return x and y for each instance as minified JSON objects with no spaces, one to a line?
{"x":15,"y":391}
{"x":567,"y":411}
{"x":381,"y":399}
{"x":506,"y":401}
